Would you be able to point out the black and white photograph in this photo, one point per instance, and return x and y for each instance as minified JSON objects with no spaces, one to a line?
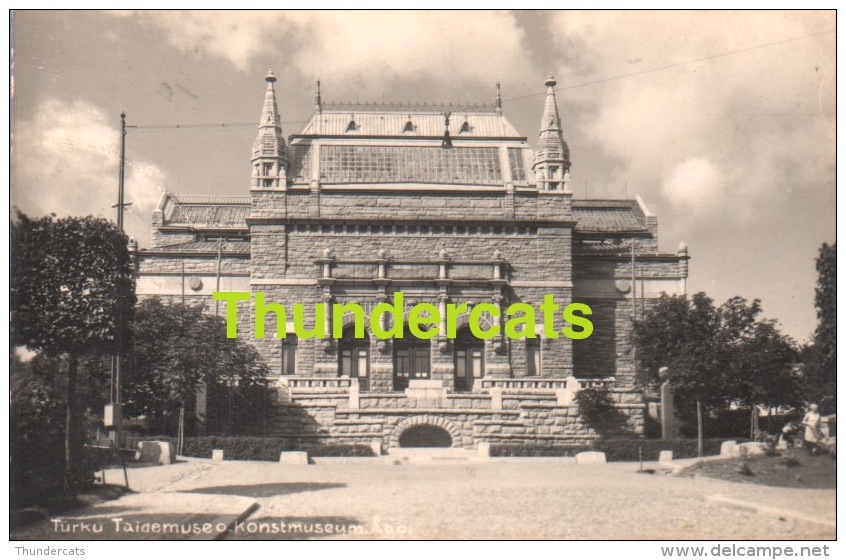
{"x":430,"y":275}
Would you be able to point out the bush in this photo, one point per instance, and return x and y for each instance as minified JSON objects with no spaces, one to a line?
{"x":338,"y":450}
{"x":620,"y":449}
{"x":249,"y":448}
{"x":533,"y":450}
{"x":596,"y":408}
{"x":628,"y":449}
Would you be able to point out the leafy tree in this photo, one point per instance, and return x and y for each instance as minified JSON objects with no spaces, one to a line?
{"x":72,"y":294}
{"x":178,"y":347}
{"x":717,"y":356}
{"x":820,"y":358}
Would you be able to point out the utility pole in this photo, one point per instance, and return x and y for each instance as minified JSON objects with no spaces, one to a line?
{"x":114,"y":414}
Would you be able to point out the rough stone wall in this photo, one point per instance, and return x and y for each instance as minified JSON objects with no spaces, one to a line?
{"x":524,"y":419}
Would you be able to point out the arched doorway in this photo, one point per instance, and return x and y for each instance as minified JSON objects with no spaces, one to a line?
{"x":354,"y":357}
{"x":425,"y":435}
{"x":469,"y":359}
{"x":411,"y":360}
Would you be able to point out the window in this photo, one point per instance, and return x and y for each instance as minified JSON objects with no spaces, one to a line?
{"x":411,"y":361}
{"x":469,"y":359}
{"x":352,"y":126}
{"x":354,"y":357}
{"x":533,"y":363}
{"x":408,"y":128}
{"x":289,"y":356}
{"x":465,"y":128}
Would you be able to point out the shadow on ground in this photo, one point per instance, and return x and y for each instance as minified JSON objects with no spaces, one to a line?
{"x":265,"y":490}
{"x":298,"y":528}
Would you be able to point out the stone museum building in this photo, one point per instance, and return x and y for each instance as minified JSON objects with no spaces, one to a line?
{"x":447,"y":204}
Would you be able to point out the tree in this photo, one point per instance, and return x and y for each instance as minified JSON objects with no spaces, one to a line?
{"x":71,"y":278}
{"x":685,"y":337}
{"x":820,"y":358}
{"x":717,"y":356}
{"x":178,"y":347}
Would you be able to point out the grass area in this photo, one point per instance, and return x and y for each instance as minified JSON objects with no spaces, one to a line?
{"x":795,"y":469}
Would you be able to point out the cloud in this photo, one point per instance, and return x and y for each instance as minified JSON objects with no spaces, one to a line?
{"x":66,"y":162}
{"x":349,"y":44}
{"x":735,"y":129}
{"x":695,"y":185}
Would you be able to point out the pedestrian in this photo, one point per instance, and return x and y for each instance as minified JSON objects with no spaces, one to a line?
{"x":811,"y":422}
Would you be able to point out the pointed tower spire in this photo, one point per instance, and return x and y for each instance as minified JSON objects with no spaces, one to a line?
{"x":552,"y":156}
{"x":498,"y":100}
{"x":270,"y":155}
{"x":318,"y":103}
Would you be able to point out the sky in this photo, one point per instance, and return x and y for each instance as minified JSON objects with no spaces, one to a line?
{"x":723,"y":122}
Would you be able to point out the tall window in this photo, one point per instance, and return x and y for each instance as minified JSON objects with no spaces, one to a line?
{"x":469,"y":359}
{"x":354,"y":357}
{"x":289,"y":356}
{"x":411,"y":360}
{"x":533,"y":364}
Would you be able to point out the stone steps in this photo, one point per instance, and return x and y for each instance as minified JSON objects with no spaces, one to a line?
{"x":431,"y":454}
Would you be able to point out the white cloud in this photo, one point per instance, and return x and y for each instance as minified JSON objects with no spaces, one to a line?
{"x":347,"y":44}
{"x":66,"y":162}
{"x":738,"y":128}
{"x":457,"y":45}
{"x":695,"y":185}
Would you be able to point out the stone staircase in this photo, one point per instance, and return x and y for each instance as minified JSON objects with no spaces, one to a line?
{"x":432,"y":455}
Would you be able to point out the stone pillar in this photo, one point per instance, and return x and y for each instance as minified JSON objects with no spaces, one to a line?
{"x":669,"y":421}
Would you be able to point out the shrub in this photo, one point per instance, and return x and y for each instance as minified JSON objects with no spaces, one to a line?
{"x":338,"y":450}
{"x":627,"y":449}
{"x":534,"y":450}
{"x":250,"y":448}
{"x":596,"y":408}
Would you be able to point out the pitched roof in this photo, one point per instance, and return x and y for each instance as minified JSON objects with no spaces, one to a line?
{"x":206,"y":211}
{"x":392,"y":120}
{"x":240,"y":247}
{"x":608,"y":216}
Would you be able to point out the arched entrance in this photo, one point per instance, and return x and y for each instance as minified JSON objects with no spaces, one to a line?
{"x":456,"y":437}
{"x":425,"y":435}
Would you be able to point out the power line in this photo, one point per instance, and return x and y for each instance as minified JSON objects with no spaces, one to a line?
{"x":202,"y":125}
{"x":667,"y":67}
{"x":563,"y":88}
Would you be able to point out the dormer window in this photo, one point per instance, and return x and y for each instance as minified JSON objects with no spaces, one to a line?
{"x":352,"y":126}
{"x":465,"y":127}
{"x":409,"y":127}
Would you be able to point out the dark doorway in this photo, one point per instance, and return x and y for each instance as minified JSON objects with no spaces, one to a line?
{"x":354,"y":357}
{"x":411,"y":360}
{"x":469,"y":359}
{"x":425,"y":435}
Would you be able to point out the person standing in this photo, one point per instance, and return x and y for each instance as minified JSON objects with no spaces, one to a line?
{"x":811,"y":422}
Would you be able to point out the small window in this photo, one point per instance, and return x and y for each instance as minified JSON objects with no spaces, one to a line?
{"x":533,"y":365}
{"x":289,"y":356}
{"x":408,"y":128}
{"x":465,"y":128}
{"x":352,"y":126}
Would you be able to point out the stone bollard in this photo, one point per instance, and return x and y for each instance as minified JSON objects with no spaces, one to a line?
{"x":293,"y":458}
{"x":590,"y":458}
{"x":483,"y":448}
{"x":217,"y":455}
{"x":665,"y":457}
{"x":728,"y":448}
{"x":376,"y":447}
